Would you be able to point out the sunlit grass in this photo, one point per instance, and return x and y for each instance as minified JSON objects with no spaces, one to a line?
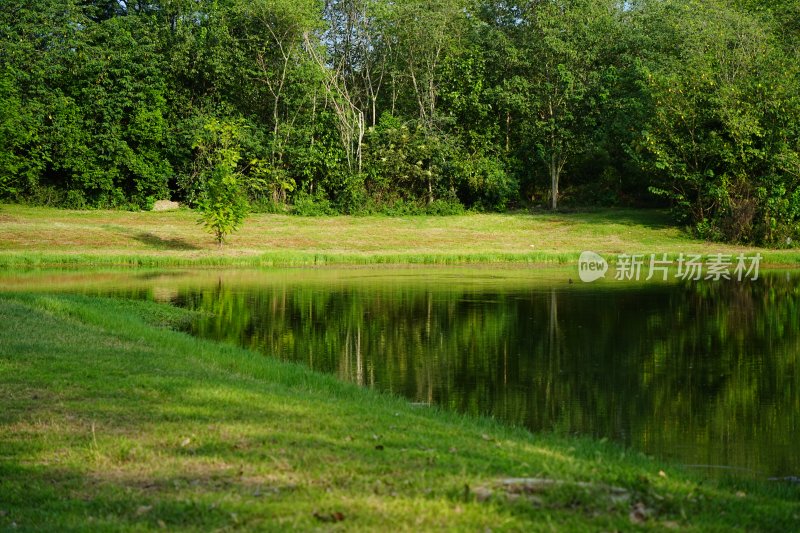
{"x":111,"y":421}
{"x":32,"y":236}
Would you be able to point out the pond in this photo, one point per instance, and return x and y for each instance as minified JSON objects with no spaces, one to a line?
{"x":704,"y":373}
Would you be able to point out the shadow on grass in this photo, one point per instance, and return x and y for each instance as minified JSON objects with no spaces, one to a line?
{"x":646,"y":218}
{"x":234,"y":446}
{"x":43,"y":498}
{"x":154,"y":241}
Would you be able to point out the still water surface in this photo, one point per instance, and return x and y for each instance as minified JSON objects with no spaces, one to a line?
{"x":705,"y":373}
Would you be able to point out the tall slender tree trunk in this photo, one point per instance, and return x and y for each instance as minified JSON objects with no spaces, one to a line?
{"x":508,"y":131}
{"x":554,"y":175}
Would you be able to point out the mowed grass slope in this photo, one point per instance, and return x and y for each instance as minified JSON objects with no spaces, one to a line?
{"x":109,"y":421}
{"x":32,"y":236}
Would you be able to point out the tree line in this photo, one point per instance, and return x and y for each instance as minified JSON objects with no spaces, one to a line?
{"x":408,"y":106}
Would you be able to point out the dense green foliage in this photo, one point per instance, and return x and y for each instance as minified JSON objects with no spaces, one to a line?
{"x":363,"y":106}
{"x":222,"y":201}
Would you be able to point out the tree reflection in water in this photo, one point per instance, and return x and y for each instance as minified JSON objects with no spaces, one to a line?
{"x":706,"y":373}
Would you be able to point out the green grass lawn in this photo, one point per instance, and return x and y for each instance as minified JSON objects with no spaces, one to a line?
{"x":41,"y":236}
{"x":112,"y":421}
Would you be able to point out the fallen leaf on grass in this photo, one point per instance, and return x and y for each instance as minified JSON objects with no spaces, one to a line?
{"x":143,"y":509}
{"x":639,"y":514}
{"x":482,"y":494}
{"x":335,"y":516}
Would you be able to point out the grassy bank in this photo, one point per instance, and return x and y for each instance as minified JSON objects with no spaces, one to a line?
{"x":31,"y":237}
{"x":110,"y":421}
